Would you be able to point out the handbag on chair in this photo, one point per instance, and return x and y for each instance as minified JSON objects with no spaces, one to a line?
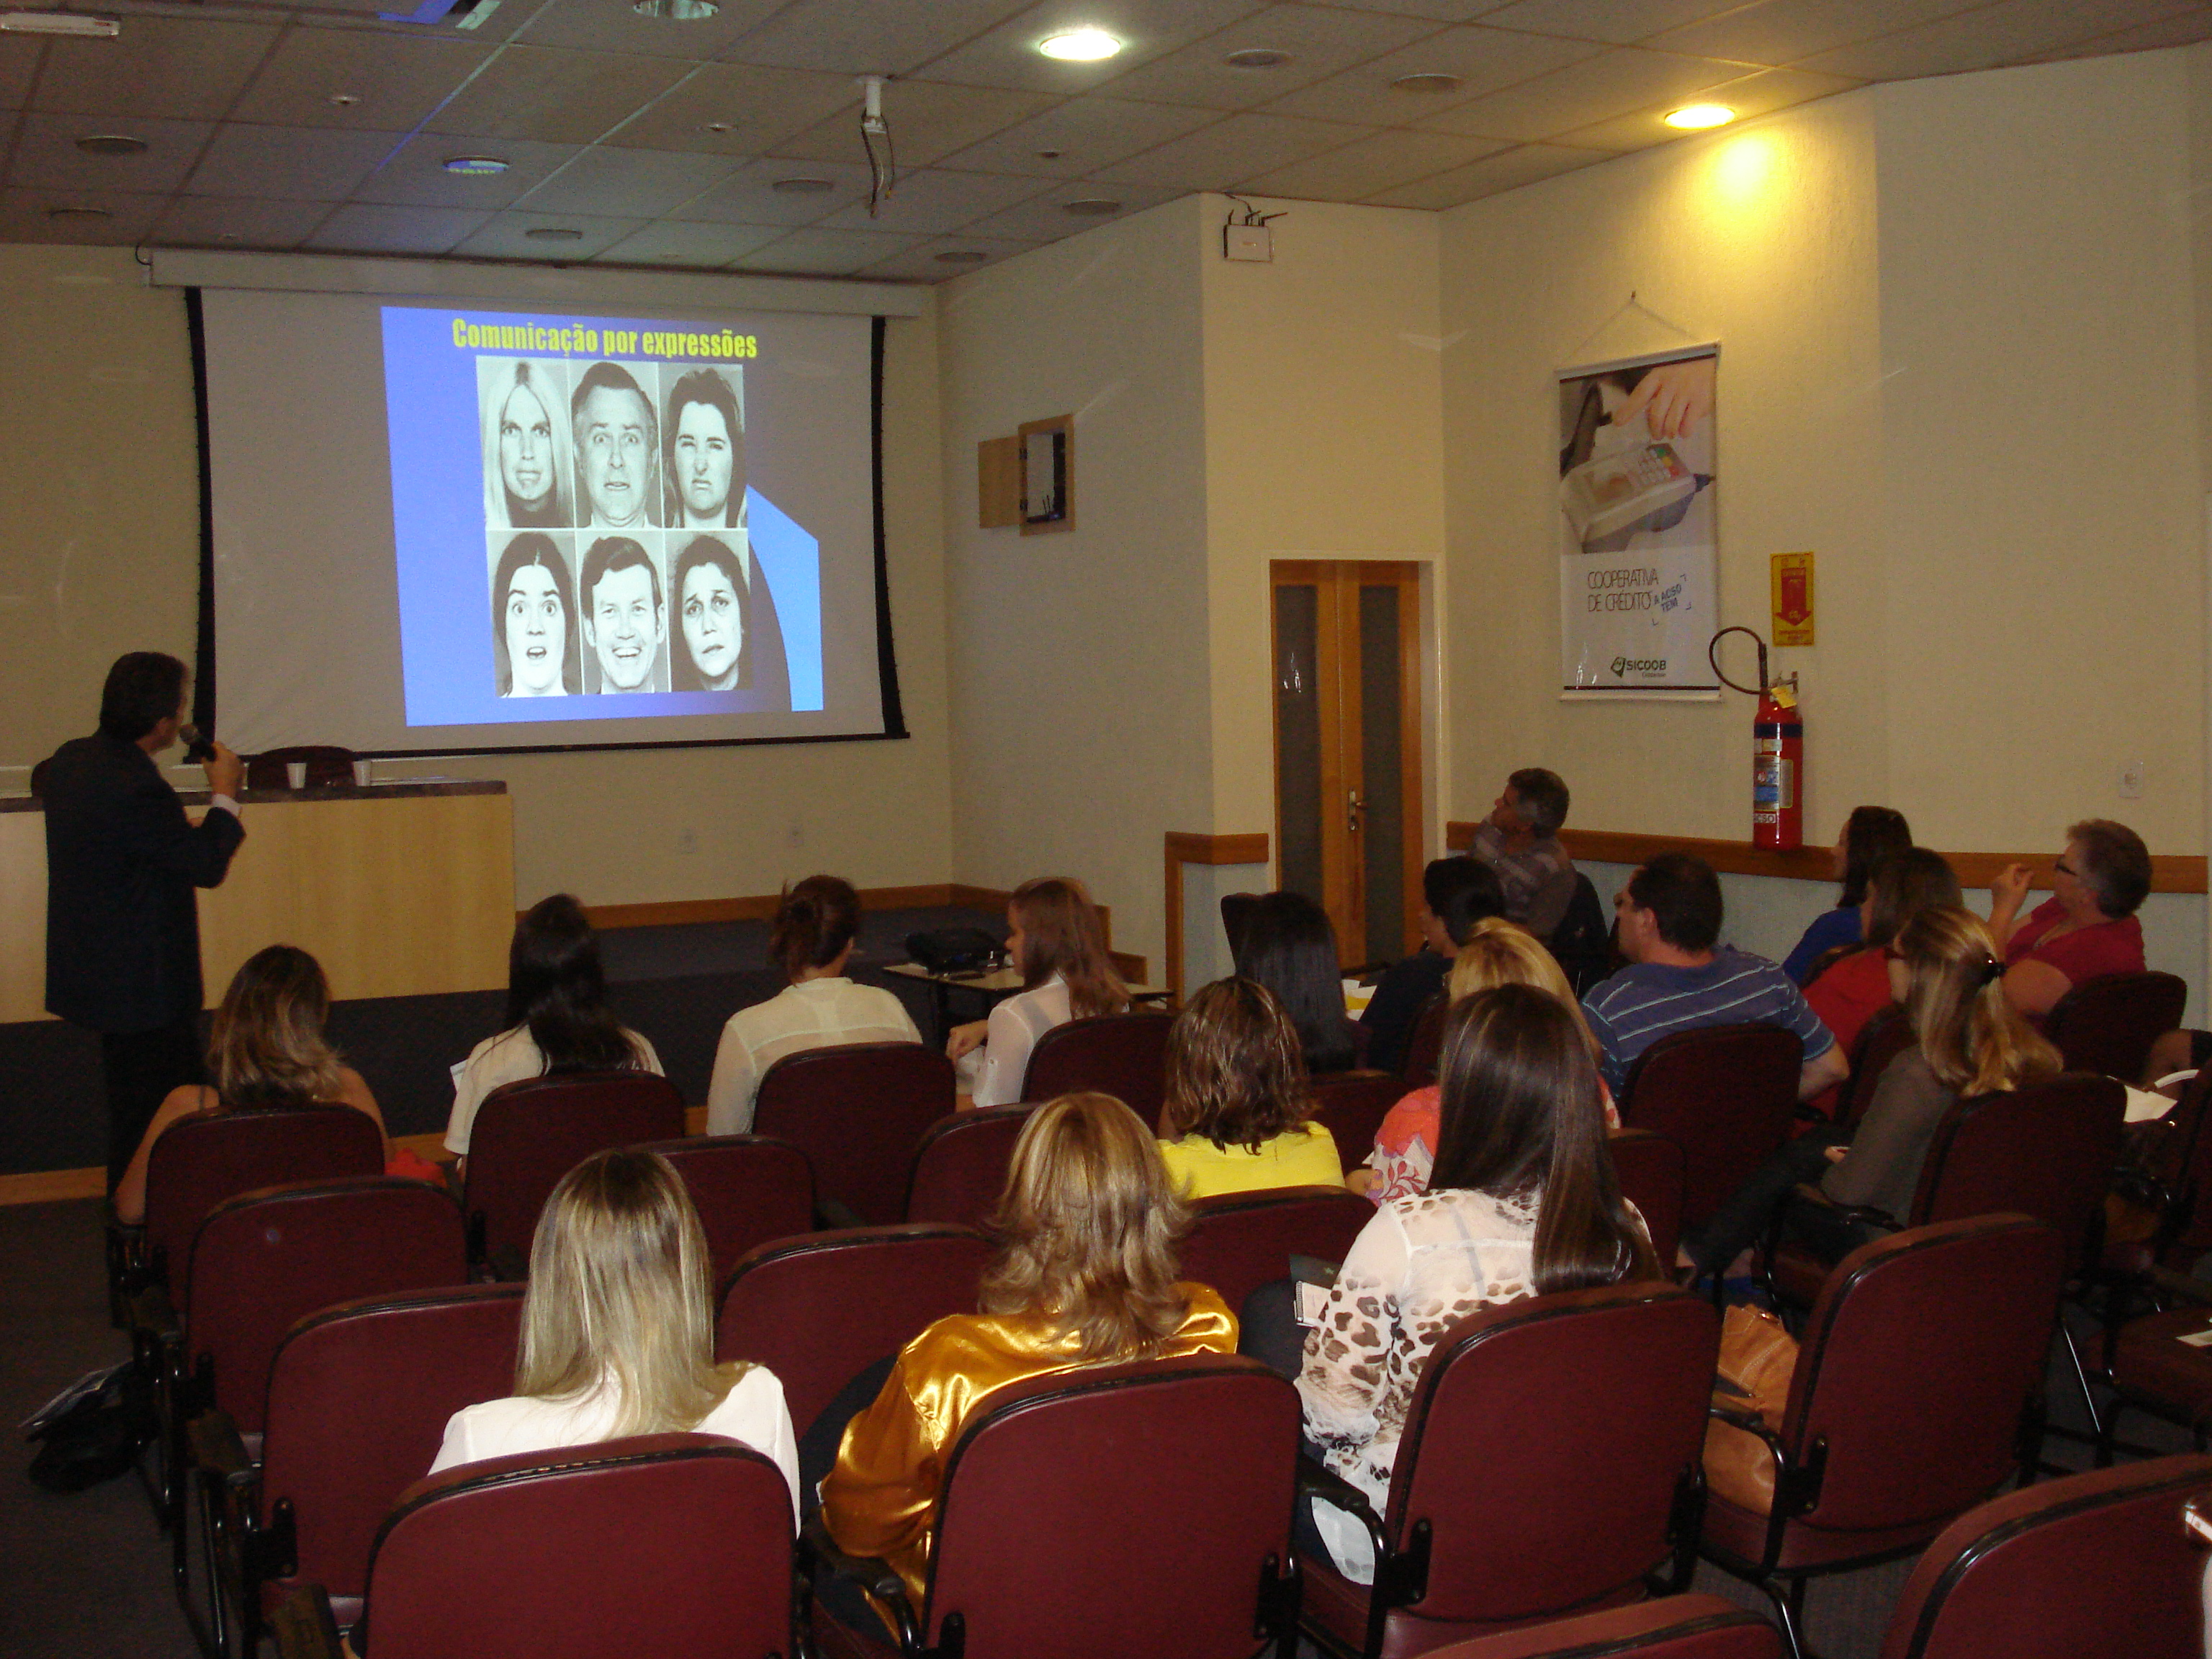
{"x":1757,"y":1357}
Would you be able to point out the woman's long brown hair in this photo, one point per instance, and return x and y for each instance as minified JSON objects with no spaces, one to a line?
{"x":266,"y":1047}
{"x":1061,"y":934}
{"x":1235,"y":1074}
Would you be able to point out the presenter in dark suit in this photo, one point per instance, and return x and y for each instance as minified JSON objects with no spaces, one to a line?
{"x":123,"y":934}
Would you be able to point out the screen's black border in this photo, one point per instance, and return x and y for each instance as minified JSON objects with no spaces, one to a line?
{"x":894,"y":710}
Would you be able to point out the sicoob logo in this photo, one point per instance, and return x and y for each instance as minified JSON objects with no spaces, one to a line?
{"x":1638,"y":664}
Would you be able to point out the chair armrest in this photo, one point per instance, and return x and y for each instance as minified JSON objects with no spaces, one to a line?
{"x":303,"y":1625}
{"x":1317,"y":1480}
{"x":818,"y":1549}
{"x":153,"y":1317}
{"x":1865,"y":1214}
{"x":219,"y":1450}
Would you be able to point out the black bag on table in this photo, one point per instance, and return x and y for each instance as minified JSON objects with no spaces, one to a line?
{"x":953,"y":950}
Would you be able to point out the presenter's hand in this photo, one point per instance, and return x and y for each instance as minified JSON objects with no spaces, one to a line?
{"x":226,"y":773}
{"x":966,"y":1039}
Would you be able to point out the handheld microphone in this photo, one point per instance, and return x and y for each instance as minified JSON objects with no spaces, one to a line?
{"x":197,"y":747}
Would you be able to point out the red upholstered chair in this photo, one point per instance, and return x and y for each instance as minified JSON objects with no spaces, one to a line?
{"x":960,"y":1168}
{"x":527,"y":1135}
{"x":1881,"y":1040}
{"x":858,"y":1111}
{"x":1241,"y":1241}
{"x":359,"y":1395}
{"x":1351,"y":1105}
{"x":1877,"y":1453}
{"x":660,"y":1544}
{"x":819,"y":1310}
{"x":1651,"y":1169}
{"x":328,"y":766}
{"x":1549,"y":1464}
{"x":1425,"y":1047}
{"x":748,"y":1190}
{"x":2093,"y":1565}
{"x":1726,"y":1095}
{"x":2106,"y":1024}
{"x":1124,"y":1055}
{"x":2159,"y":1215}
{"x":1111,"y":1511}
{"x":2149,"y":1364}
{"x":1671,"y":1627}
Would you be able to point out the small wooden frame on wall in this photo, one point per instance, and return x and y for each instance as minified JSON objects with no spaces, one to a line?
{"x":999,"y":484}
{"x":1048,"y":475}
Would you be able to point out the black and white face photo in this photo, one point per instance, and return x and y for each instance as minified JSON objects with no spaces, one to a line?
{"x":626,"y":624}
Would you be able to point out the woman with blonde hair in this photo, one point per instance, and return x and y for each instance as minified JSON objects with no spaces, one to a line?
{"x":618,"y":1329}
{"x":525,"y":406}
{"x":266,"y":1049}
{"x":1237,"y":1117}
{"x":1084,"y":1275}
{"x":1057,"y":943}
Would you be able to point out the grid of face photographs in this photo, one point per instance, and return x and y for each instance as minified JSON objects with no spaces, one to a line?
{"x":613,"y":522}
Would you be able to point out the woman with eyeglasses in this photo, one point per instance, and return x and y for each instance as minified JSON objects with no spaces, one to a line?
{"x":2087,"y":927}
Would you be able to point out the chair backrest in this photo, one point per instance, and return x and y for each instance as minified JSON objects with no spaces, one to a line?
{"x":748,"y":1189}
{"x":1425,"y":1047}
{"x":960,"y":1168}
{"x":201,"y":1160}
{"x":1518,"y":1409}
{"x":1582,"y":944}
{"x":1241,"y":1241}
{"x":265,"y":1258}
{"x":1235,"y":916}
{"x":527,"y":1135}
{"x":2097,"y":1563}
{"x":1669,"y":1627}
{"x":1650,"y":1170}
{"x":2106,"y":1024}
{"x":1881,"y":1040}
{"x":327,"y":765}
{"x":1726,"y":1095}
{"x":1124,"y":1055}
{"x":1035,"y":1551}
{"x":2046,"y":1151}
{"x":1351,"y":1105}
{"x":2190,"y":1174}
{"x":662,"y":1543}
{"x":359,"y":1395}
{"x":1917,"y":1363}
{"x":858,"y":1111}
{"x":819,"y":1310}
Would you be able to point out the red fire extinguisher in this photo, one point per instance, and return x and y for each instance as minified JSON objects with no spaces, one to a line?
{"x":1777,"y":752}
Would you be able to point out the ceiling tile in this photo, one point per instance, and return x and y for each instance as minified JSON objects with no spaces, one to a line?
{"x":1783,"y":31}
{"x":24,"y":216}
{"x":1484,"y":59}
{"x":1088,"y":133}
{"x":46,"y":155}
{"x":929,"y":121}
{"x":1361,"y":169}
{"x":2184,"y":29}
{"x":1754,"y":94}
{"x":1239,"y":148}
{"x":921,"y":262}
{"x":19,"y":57}
{"x":417,"y":176}
{"x":1316,"y":41}
{"x":1508,"y":170}
{"x":1439,"y":12}
{"x":230,"y":221}
{"x":292,"y":163}
{"x":1007,"y":55}
{"x":934,"y":201}
{"x":760,"y":106}
{"x":1617,"y":23}
{"x":188,"y":68}
{"x":397,"y":78}
{"x":1045,"y":218}
{"x":2003,"y":34}
{"x":362,"y":228}
{"x":678,"y":242}
{"x":554,"y":95}
{"x":747,"y":197}
{"x":599,"y":26}
{"x":856,"y":36}
{"x":505,"y":236}
{"x":631,"y":183}
{"x":1624,"y":80}
{"x":828,"y":252}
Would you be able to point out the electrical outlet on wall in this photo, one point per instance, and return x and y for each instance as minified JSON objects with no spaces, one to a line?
{"x":797,"y":836}
{"x":687,"y":841}
{"x":2131,"y":780}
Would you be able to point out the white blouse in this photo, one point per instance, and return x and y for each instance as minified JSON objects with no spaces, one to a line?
{"x":816,"y":1013}
{"x":510,"y":1057}
{"x":993,"y":1073}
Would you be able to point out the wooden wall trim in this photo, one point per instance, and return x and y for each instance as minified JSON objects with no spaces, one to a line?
{"x":1191,"y":847}
{"x":676,"y":913}
{"x":2170,"y":873}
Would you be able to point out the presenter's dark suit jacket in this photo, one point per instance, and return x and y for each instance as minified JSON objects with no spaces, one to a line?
{"x":122,"y":929}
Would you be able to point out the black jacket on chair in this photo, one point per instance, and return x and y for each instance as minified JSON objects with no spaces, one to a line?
{"x":122,"y":930}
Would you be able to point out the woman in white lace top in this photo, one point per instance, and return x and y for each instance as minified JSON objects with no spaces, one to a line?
{"x":1523,"y":1201}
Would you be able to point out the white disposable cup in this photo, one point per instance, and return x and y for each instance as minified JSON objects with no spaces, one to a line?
{"x":360,"y":773}
{"x":295,"y":773}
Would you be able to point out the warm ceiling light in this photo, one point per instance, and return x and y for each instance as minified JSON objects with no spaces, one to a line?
{"x":1693,"y":117}
{"x":801,"y":186}
{"x":1426,"y":83}
{"x":720,"y":129}
{"x":553,"y":233}
{"x":1079,"y":46}
{"x":59,"y":22}
{"x":962,"y":256}
{"x":473,"y":167}
{"x":1256,"y":57}
{"x":1091,"y":207}
{"x":78,"y":213}
{"x":110,"y":143}
{"x":344,"y":100}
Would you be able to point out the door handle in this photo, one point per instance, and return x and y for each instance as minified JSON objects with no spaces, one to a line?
{"x":1354,"y":806}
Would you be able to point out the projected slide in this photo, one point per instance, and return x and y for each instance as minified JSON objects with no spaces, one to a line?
{"x":577,"y":534}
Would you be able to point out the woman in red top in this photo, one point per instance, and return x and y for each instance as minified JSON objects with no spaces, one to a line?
{"x":1855,"y":988}
{"x":2087,"y":929}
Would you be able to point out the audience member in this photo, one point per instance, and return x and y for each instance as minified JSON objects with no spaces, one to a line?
{"x":618,"y":1329}
{"x":1238,"y":1112}
{"x":1855,"y":988}
{"x":1520,"y":840}
{"x":1057,"y":943}
{"x":557,"y":1019}
{"x":819,"y":1007}
{"x":1969,"y":1040}
{"x":1456,"y":894}
{"x":1086,"y":1275}
{"x":1523,"y":1201}
{"x":2086,"y":929}
{"x":1668,"y":919}
{"x":1290,"y":946}
{"x":1870,"y":834}
{"x":266,"y":1049}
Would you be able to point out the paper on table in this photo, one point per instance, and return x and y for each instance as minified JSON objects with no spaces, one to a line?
{"x":1312,"y":1298}
{"x":1356,"y":996}
{"x":2144,"y":1106}
{"x":2197,"y":1338}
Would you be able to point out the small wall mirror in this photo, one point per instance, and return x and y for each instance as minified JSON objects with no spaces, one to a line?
{"x":1048,"y":475}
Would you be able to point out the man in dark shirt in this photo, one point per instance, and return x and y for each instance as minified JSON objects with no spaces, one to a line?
{"x":122,"y":938}
{"x":1456,"y":894}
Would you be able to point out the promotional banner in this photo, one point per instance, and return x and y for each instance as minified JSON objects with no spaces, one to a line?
{"x":1637,"y":525}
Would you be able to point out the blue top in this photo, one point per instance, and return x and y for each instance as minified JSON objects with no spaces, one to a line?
{"x":1648,"y":1000}
{"x":1837,"y":927}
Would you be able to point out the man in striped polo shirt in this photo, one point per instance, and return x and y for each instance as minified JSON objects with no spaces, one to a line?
{"x":1676,"y":980}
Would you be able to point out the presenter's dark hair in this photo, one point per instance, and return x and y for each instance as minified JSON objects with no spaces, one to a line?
{"x":529,"y":548}
{"x":1871,"y":833}
{"x":143,"y":689}
{"x":704,"y":385}
{"x":1290,"y":947}
{"x":705,"y":549}
{"x":610,"y":554}
{"x":555,"y":986}
{"x":816,"y":919}
{"x":1459,"y":892}
{"x":1685,"y":894}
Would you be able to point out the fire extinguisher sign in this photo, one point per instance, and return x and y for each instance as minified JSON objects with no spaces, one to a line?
{"x":1792,"y":582}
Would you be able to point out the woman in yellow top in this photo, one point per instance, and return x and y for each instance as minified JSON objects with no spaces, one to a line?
{"x":1238,"y":1100}
{"x":1086,"y":1275}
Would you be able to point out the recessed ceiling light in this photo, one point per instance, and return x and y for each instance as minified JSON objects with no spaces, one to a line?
{"x":801,"y":186}
{"x":677,"y":11}
{"x":473,"y":167}
{"x":962,"y":256}
{"x":1692,"y":117}
{"x":83,"y":24}
{"x":553,"y":233}
{"x":719,"y":128}
{"x":1091,"y":207}
{"x":1079,"y":46}
{"x":78,"y":213}
{"x":1256,"y":57}
{"x":110,"y":143}
{"x":345,"y":99}
{"x":1429,"y":83}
